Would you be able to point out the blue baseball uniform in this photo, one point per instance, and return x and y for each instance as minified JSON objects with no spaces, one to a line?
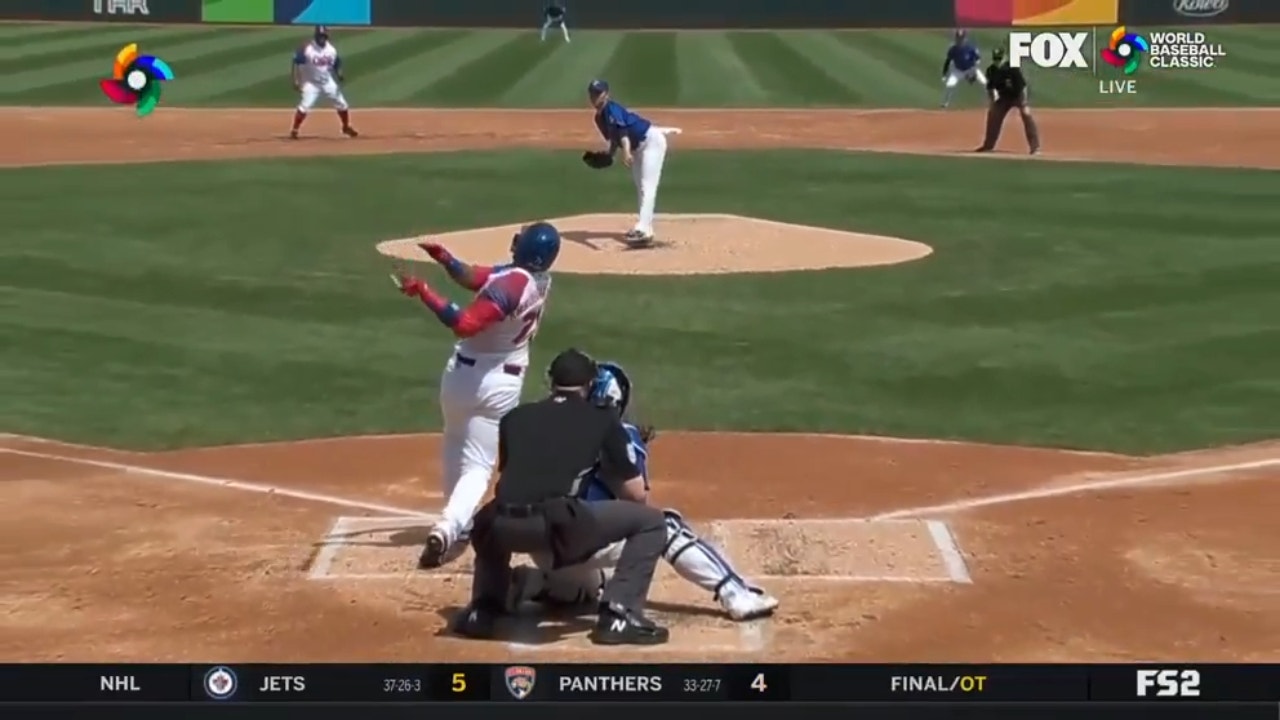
{"x":554,"y":16}
{"x":648,"y":143}
{"x":961,"y":63}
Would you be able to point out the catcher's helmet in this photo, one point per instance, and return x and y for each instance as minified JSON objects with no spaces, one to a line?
{"x":535,"y":247}
{"x":612,"y":387}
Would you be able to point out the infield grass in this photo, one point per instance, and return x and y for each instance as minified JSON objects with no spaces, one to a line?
{"x":1133,"y":309}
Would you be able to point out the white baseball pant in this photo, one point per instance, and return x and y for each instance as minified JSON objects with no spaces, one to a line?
{"x":646,"y":173}
{"x":473,"y":398}
{"x":550,"y":23}
{"x":311,"y":93}
{"x":953,"y":78}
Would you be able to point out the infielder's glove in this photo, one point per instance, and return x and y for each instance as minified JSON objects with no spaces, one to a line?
{"x":597,"y":159}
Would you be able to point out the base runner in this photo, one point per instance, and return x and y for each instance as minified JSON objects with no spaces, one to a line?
{"x":317,"y":70}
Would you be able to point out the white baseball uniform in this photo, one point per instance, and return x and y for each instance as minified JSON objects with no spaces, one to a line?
{"x":482,"y":382}
{"x":648,"y":152}
{"x":318,"y":67}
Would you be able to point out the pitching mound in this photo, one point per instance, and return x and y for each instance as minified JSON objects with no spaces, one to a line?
{"x":686,"y":245}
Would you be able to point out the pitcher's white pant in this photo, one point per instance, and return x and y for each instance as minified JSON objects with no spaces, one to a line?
{"x":311,"y":92}
{"x":549,"y":23}
{"x":646,"y":173}
{"x":693,"y":559}
{"x":473,"y":398}
{"x":953,"y":78}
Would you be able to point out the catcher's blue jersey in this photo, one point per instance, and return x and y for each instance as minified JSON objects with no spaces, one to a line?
{"x":595,"y":489}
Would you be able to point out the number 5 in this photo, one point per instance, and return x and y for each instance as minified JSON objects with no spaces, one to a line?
{"x":758,"y":683}
{"x":459,"y":682}
{"x":530,"y":328}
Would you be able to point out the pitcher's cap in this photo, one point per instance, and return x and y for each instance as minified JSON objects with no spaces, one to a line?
{"x":598,"y":86}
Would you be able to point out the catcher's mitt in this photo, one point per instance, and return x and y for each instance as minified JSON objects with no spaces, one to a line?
{"x":647,"y":433}
{"x":597,"y":159}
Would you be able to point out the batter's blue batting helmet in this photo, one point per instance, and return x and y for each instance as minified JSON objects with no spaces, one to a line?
{"x":535,"y":248}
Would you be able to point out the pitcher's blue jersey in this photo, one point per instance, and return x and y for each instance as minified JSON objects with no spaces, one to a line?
{"x":595,"y":489}
{"x":615,"y":122}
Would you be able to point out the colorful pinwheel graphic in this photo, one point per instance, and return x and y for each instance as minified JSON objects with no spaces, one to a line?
{"x":1124,"y":50}
{"x":135,"y":80}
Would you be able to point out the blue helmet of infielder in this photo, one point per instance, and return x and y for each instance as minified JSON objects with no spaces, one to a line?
{"x":536,"y":247}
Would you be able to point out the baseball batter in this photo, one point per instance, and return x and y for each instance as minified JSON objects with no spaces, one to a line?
{"x":693,"y":558}
{"x":317,"y":70}
{"x":961,"y":63}
{"x":484,"y":376}
{"x":644,"y":150}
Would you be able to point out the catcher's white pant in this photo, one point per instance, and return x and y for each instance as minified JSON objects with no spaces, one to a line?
{"x":473,"y":398}
{"x":646,"y":173}
{"x":953,"y":78}
{"x":693,"y":559}
{"x":550,"y":23}
{"x":311,"y":93}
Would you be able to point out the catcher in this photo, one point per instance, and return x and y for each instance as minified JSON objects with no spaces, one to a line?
{"x":693,"y":558}
{"x":1008,"y":89}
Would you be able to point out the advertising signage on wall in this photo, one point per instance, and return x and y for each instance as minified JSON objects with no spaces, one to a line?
{"x":184,"y":11}
{"x":671,"y":14}
{"x":1199,"y":12}
{"x":289,"y":12}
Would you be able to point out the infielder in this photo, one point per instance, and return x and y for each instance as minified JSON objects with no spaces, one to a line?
{"x":553,"y":16}
{"x":317,"y":69}
{"x":484,"y":376}
{"x":961,"y":63}
{"x":693,"y":558}
{"x":644,"y":149}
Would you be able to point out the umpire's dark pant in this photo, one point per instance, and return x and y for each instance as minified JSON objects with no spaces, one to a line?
{"x":571,"y":531}
{"x":996,"y":114}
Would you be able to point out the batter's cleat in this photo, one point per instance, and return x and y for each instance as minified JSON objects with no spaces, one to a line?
{"x":1035,"y":151}
{"x":747,"y":603}
{"x":350,"y":131}
{"x":433,"y":554}
{"x":984,"y":148}
{"x":619,"y":626}
{"x":293,"y":134}
{"x":479,"y":621}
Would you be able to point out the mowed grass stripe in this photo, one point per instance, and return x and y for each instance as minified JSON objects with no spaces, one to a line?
{"x":90,"y":59}
{"x":789,"y":78}
{"x":482,"y":80}
{"x":870,"y":76}
{"x":561,"y":80}
{"x":266,"y":81}
{"x":711,"y":73}
{"x":101,"y":45}
{"x":642,"y":70}
{"x":213,"y":49}
{"x":15,"y":37}
{"x":439,"y":55}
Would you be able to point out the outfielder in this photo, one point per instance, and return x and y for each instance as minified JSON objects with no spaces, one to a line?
{"x":317,"y":69}
{"x":961,"y":63}
{"x":484,"y":376}
{"x":554,"y":16}
{"x":693,"y":558}
{"x":644,"y":150}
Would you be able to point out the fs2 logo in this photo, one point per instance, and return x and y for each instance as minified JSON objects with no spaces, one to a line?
{"x":1048,"y":49}
{"x":1169,"y":683}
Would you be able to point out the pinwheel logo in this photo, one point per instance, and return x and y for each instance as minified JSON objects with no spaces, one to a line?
{"x":135,"y":80}
{"x":1124,"y":50}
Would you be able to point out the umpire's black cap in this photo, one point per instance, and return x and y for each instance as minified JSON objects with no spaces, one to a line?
{"x":571,"y":368}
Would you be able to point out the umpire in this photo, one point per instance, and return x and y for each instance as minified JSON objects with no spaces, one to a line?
{"x":1008,"y":89}
{"x":545,"y":449}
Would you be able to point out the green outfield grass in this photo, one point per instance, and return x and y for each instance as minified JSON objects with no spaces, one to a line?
{"x":191,"y":303}
{"x":230,"y":66}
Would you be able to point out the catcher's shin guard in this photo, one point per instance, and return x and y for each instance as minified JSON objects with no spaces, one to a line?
{"x":697,"y":560}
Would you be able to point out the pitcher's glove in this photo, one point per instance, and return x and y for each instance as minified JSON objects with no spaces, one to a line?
{"x":597,"y":159}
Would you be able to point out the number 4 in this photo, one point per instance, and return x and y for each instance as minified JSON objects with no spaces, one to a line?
{"x":758,"y":683}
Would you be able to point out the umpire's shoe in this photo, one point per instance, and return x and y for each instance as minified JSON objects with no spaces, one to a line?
{"x":478,"y":621}
{"x":619,"y":626}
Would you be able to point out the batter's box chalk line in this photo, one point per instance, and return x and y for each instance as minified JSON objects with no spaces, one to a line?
{"x":348,"y":532}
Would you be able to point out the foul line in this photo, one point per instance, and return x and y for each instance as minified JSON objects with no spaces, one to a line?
{"x":1064,"y":490}
{"x":227,"y":483}
{"x":949,"y":549}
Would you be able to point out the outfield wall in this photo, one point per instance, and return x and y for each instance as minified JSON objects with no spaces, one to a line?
{"x":658,"y":14}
